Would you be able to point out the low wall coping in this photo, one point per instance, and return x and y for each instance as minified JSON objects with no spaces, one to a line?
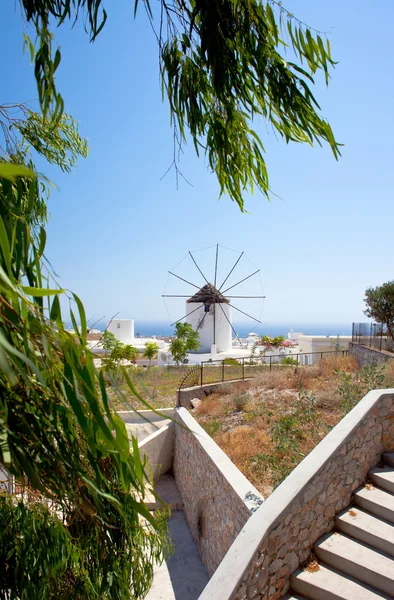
{"x":207,"y":385}
{"x":231,"y":570}
{"x":249,"y":495}
{"x":141,"y":416}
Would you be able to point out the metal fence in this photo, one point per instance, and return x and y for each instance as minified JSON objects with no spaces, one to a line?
{"x":230,"y":369}
{"x":372,"y":335}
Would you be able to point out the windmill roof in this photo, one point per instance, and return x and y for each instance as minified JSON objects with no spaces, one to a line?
{"x":208,"y":294}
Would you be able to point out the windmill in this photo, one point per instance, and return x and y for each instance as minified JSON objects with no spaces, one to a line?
{"x":209,"y":309}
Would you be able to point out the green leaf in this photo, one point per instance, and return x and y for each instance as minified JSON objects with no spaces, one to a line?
{"x":10,"y":171}
{"x":40,"y":292}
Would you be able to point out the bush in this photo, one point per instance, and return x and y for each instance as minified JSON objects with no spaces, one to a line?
{"x":240,"y":401}
{"x":289,"y":360}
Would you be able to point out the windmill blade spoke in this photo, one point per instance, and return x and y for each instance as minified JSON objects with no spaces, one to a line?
{"x":192,"y":257}
{"x":229,"y":322}
{"x":178,"y":296}
{"x":190,"y":313}
{"x":242,"y":280}
{"x":244,"y":313}
{"x":237,"y":261}
{"x":185,"y":280}
{"x":216,"y":263}
{"x":202,"y":321}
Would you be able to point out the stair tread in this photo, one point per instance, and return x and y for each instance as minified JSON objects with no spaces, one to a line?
{"x":370,"y":496}
{"x":328,"y":584}
{"x":383,"y":476}
{"x":358,"y":560}
{"x":388,"y":457}
{"x":368,"y":528}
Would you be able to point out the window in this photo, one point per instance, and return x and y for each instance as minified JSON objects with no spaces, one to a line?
{"x":118,"y":326}
{"x":207,"y":307}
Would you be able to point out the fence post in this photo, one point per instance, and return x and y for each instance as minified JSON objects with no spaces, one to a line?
{"x":222,"y":370}
{"x":243,"y":367}
{"x":270,"y":363}
{"x":202,"y":365}
{"x":381,"y":338}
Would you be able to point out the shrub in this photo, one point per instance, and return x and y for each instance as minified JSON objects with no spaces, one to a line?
{"x":289,"y":360}
{"x":240,"y":401}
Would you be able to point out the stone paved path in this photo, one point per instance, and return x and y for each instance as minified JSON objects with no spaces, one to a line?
{"x":183,"y":575}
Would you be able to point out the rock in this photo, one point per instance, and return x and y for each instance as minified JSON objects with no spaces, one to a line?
{"x":196,"y":402}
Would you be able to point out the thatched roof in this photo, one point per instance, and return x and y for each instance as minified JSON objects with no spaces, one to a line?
{"x":207,"y":295}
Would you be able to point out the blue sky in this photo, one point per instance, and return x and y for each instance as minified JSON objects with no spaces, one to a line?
{"x":116,"y":227}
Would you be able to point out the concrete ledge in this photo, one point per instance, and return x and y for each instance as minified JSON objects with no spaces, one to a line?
{"x":279,"y":535}
{"x":158,"y":449}
{"x":187,"y":394}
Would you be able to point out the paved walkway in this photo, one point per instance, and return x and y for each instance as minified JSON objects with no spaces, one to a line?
{"x":183,"y":575}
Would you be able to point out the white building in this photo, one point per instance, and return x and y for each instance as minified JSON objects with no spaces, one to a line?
{"x":209,"y":313}
{"x":314,"y":347}
{"x":123,"y":330}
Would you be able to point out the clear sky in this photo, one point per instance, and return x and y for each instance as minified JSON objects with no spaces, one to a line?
{"x":116,"y":227}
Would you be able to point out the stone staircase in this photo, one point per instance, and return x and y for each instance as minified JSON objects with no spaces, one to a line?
{"x":356,"y":560}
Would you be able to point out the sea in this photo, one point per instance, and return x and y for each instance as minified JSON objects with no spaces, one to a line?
{"x":151,"y":328}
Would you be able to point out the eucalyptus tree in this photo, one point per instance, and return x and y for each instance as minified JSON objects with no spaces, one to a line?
{"x":222,"y":62}
{"x":75,"y":526}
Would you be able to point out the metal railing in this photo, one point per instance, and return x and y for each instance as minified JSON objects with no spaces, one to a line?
{"x":243,"y":367}
{"x":372,"y":335}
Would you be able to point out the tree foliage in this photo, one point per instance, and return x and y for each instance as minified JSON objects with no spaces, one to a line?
{"x":76,"y":527}
{"x":186,"y":340}
{"x":151,"y":350}
{"x":223,"y":63}
{"x":380,"y":305}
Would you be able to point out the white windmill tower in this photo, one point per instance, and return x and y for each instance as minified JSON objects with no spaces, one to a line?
{"x":209,"y":310}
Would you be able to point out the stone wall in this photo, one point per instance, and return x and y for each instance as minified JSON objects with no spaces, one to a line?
{"x":278,"y":538}
{"x":367,"y":356}
{"x":218,"y":499}
{"x":187,"y":394}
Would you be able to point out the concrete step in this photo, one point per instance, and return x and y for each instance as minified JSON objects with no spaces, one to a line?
{"x":357,"y":560}
{"x":367,"y":528}
{"x":328,"y":584}
{"x":383,"y":477}
{"x":293,"y":597}
{"x":388,"y":458}
{"x":376,"y":501}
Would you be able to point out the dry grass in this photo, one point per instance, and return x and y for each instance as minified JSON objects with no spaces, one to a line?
{"x":281,"y":418}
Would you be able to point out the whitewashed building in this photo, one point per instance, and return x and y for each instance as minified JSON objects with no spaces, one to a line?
{"x":123,"y":330}
{"x":209,"y":313}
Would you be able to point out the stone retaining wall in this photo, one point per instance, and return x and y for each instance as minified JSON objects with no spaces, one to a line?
{"x":187,"y":394}
{"x":218,"y":499}
{"x":278,"y":538}
{"x":367,"y":356}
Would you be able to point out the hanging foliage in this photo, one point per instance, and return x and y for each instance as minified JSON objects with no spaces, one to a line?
{"x":223,"y":62}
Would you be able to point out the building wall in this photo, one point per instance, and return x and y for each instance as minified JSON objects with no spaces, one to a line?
{"x":123,"y":330}
{"x":218,"y":499}
{"x":222,"y":327}
{"x":309,"y":344}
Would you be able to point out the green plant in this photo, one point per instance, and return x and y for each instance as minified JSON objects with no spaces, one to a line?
{"x":232,"y":362}
{"x":353,"y":386}
{"x":289,"y":360}
{"x":151,"y":350}
{"x":186,"y":340}
{"x":212,"y":427}
{"x":240,"y":401}
{"x":223,"y":59}
{"x":380,"y":305}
